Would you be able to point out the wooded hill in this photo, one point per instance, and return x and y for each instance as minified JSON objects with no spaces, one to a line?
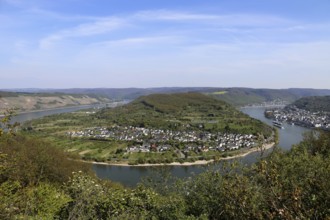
{"x":313,"y":103}
{"x":183,"y":111}
{"x":234,"y":95}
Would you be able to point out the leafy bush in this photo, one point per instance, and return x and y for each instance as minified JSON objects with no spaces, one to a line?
{"x":31,"y":161}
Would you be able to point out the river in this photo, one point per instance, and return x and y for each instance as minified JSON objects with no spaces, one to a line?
{"x":26,"y":116}
{"x":130,"y":176}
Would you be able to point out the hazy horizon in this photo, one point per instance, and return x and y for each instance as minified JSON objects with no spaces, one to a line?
{"x":150,"y":44}
{"x":165,"y":87}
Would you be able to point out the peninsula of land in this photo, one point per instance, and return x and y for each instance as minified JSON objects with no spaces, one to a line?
{"x":156,"y":129}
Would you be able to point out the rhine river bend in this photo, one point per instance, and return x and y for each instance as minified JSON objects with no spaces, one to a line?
{"x":130,"y":176}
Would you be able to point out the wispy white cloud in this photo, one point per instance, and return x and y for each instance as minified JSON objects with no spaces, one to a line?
{"x":214,"y":19}
{"x":236,"y":49}
{"x":172,"y":15}
{"x":138,"y":41}
{"x":100,"y":25}
{"x":244,"y":64}
{"x":86,"y":29}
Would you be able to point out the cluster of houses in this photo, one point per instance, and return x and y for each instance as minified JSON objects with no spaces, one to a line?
{"x":274,"y":103}
{"x":223,"y":142}
{"x":157,"y":140}
{"x":294,"y":115}
{"x":148,"y":147}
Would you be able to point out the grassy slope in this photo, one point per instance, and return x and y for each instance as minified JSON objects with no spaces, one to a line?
{"x":182,"y":110}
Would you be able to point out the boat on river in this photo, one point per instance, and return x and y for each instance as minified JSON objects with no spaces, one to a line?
{"x":278,"y":124}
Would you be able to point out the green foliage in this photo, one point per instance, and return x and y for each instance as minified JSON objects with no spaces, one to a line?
{"x":9,"y":198}
{"x":31,"y":172}
{"x":317,"y":143}
{"x":223,"y":196}
{"x":5,"y":125}
{"x":183,"y":111}
{"x":92,"y":199}
{"x":30,"y":161}
{"x":37,"y":181}
{"x":292,"y":185}
{"x":246,"y":96}
{"x":295,"y":185}
{"x":313,"y":103}
{"x":44,"y":201}
{"x":87,"y":197}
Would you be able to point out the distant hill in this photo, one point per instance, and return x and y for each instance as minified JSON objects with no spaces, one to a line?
{"x":234,"y":96}
{"x":121,"y":93}
{"x":246,"y":96}
{"x":313,"y":103}
{"x":40,"y":101}
{"x":181,"y":111}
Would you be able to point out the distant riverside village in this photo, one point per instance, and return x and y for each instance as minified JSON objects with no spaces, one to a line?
{"x":274,"y":103}
{"x":157,"y":140}
{"x":296,"y":116}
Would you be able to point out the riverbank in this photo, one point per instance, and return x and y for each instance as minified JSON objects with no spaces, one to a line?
{"x":197,"y":162}
{"x":52,"y":109}
{"x":46,"y":112}
{"x":59,"y":108}
{"x":262,"y":106}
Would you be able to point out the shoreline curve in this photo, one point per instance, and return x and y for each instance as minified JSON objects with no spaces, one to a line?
{"x":197,"y":162}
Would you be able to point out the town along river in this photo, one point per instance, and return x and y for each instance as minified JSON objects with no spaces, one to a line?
{"x":130,"y":176}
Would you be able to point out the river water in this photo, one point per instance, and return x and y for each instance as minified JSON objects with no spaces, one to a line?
{"x":22,"y":117}
{"x":130,"y":176}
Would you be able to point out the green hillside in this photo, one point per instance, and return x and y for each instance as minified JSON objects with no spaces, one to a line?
{"x":236,"y":96}
{"x":183,"y":111}
{"x":313,"y":103}
{"x":246,"y":96}
{"x":167,"y":119}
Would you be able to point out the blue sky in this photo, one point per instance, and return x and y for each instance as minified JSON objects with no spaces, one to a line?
{"x":156,"y":43}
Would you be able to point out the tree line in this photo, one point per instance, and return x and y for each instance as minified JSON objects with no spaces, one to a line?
{"x":38,"y":181}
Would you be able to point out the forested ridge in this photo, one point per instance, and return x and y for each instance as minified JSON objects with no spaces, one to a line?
{"x":313,"y":103}
{"x":182,"y":111}
{"x":38,"y":181}
{"x":238,"y":96}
